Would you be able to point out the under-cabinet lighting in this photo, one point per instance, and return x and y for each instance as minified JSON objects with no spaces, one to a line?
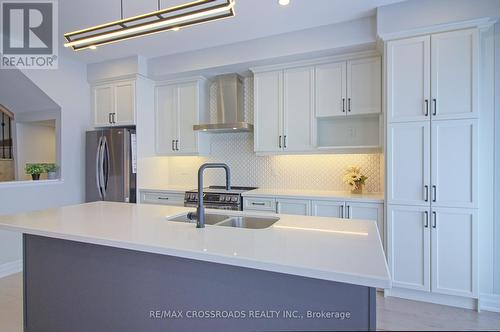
{"x":172,"y":18}
{"x":284,"y":2}
{"x":322,"y":230}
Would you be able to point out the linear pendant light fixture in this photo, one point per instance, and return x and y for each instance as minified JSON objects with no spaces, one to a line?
{"x":172,"y":18}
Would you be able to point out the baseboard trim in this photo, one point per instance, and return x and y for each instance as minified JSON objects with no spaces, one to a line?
{"x":489,"y":302}
{"x":9,"y":268}
{"x":449,"y":300}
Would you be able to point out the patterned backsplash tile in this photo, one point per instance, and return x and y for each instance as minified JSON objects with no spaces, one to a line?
{"x":316,"y":172}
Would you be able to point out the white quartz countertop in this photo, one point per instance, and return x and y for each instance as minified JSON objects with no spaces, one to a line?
{"x":315,"y":194}
{"x":323,"y":248}
{"x":168,"y":188}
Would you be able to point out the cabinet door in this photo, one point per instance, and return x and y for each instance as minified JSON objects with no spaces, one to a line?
{"x":294,"y":206}
{"x":454,"y":74}
{"x":408,"y":79}
{"x":408,"y":163}
{"x":408,"y":244}
{"x":166,"y":118}
{"x":187,"y":109}
{"x":333,"y":209}
{"x":268,"y":111}
{"x":103,"y":104}
{"x":454,"y":243}
{"x":454,"y":163}
{"x":125,"y":103}
{"x":298,"y":109}
{"x":331,"y":89}
{"x":367,"y":211}
{"x":364,"y":86}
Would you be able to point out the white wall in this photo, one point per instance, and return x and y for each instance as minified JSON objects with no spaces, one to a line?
{"x":416,"y":14}
{"x":35,"y":143}
{"x":68,"y":87}
{"x":496,"y":275}
{"x":317,"y":41}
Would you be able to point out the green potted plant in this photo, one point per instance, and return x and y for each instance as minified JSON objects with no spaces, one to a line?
{"x":51,"y":171}
{"x":34,"y":170}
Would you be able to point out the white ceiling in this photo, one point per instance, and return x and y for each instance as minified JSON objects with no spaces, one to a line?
{"x":254,"y":19}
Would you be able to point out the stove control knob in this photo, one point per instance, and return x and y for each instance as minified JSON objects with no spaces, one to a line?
{"x":234,"y":199}
{"x":228,"y":198}
{"x":221,"y":198}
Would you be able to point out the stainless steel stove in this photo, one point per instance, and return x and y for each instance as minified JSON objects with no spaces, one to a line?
{"x":217,"y":197}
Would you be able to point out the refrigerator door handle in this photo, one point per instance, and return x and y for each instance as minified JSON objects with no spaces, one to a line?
{"x":105,"y":166}
{"x":98,"y":167}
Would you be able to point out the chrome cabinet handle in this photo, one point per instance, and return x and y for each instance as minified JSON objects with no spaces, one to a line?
{"x":426,"y":225}
{"x":109,"y":118}
{"x":435,"y":106}
{"x":176,"y":145}
{"x":279,"y":141}
{"x":163,"y":198}
{"x":426,"y":193}
{"x":349,"y":104}
{"x":173,"y":145}
{"x":114,"y":117}
{"x":434,"y":193}
{"x":284,"y":141}
{"x":434,"y":225}
{"x":277,"y":207}
{"x":342,"y":211}
{"x":261,"y":204}
{"x":348,"y":211}
{"x":343,"y":105}
{"x":427,"y":107}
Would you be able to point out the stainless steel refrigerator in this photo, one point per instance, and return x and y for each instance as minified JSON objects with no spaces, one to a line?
{"x":111,"y":166}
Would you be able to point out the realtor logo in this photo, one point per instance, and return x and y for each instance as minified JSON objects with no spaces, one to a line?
{"x":29,"y":34}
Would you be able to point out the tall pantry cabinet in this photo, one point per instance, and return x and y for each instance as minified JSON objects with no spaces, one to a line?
{"x":431,"y":162}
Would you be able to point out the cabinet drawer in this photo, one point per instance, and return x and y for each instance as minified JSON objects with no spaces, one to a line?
{"x":151,"y":197}
{"x":259,"y":204}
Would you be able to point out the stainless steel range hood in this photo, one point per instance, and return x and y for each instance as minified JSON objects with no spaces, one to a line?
{"x":230,"y":108}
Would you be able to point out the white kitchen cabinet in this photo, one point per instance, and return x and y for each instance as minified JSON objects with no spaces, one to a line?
{"x":364,"y":87}
{"x":454,"y":74}
{"x":114,"y":103}
{"x":408,"y":246}
{"x":179,"y":106}
{"x":454,"y":167}
{"x":408,"y":79}
{"x":284,"y":110}
{"x":331,"y":90}
{"x":454,"y":257}
{"x":332,"y":209}
{"x":268,"y":115}
{"x":408,"y":163}
{"x":161,"y":198}
{"x":293,"y":206}
{"x":266,"y":204}
{"x":298,"y":109}
{"x":433,"y":76}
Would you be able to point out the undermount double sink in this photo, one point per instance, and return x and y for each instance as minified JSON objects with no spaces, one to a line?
{"x":250,"y":222}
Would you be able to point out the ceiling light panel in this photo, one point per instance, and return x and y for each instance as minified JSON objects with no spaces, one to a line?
{"x":172,"y":18}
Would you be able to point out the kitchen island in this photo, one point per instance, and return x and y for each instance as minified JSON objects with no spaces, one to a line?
{"x":125,"y":267}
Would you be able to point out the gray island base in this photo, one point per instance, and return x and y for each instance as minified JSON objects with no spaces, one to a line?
{"x":74,"y":286}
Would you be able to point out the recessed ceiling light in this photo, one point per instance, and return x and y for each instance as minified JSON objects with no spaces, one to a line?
{"x":284,"y":2}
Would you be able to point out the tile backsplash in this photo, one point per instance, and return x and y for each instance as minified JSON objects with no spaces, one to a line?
{"x":314,"y":172}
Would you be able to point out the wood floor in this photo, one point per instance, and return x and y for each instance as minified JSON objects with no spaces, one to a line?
{"x":392,"y":314}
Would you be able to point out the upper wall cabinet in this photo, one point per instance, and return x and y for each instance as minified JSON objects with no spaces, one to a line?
{"x":303,"y":108}
{"x":114,"y":103}
{"x":179,"y":106}
{"x":284,"y":110}
{"x":432,"y":76}
{"x":348,"y":87}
